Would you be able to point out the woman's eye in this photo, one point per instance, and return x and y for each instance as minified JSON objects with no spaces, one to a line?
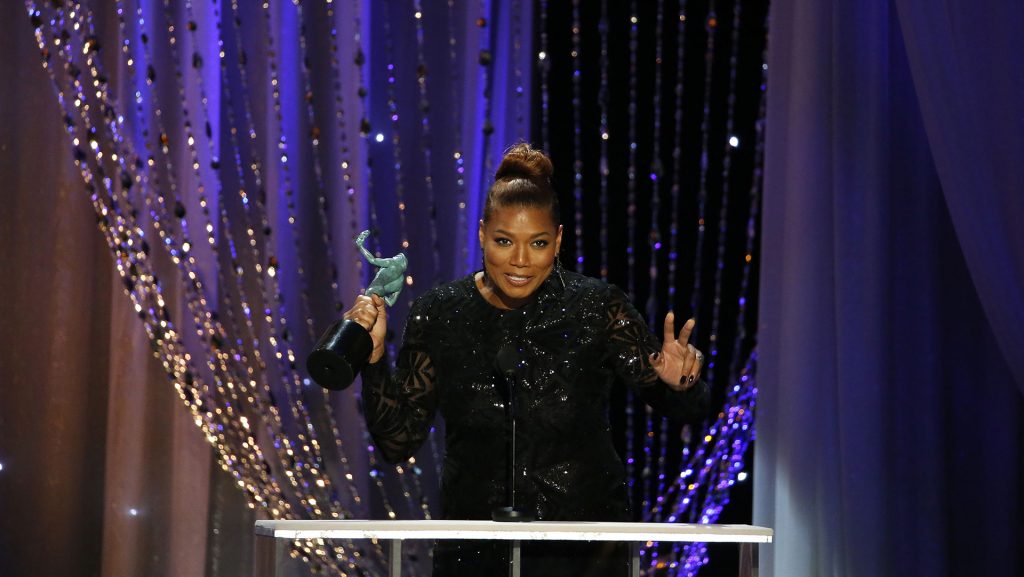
{"x":503,"y":241}
{"x":540,"y":243}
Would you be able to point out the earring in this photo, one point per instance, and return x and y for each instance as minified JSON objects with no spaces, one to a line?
{"x":558,"y":270}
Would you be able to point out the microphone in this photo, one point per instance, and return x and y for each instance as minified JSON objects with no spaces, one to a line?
{"x":507,"y":362}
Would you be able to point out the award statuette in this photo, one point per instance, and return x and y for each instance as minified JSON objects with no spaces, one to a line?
{"x":343,"y":350}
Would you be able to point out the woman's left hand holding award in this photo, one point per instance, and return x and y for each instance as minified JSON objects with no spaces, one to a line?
{"x":345,"y":347}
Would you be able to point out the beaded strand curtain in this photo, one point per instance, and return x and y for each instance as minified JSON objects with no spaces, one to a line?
{"x":653,"y":113}
{"x":232,"y":150}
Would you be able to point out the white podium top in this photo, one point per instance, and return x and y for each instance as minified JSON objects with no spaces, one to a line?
{"x":512,"y":531}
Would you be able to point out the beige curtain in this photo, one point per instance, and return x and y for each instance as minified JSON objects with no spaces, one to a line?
{"x":103,"y":472}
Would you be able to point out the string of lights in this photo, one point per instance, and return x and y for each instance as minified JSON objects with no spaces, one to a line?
{"x":711,"y":26}
{"x":425,"y":141}
{"x":631,"y":198}
{"x":544,"y":69}
{"x":486,"y":81}
{"x":458,"y":162}
{"x":577,"y":134}
{"x":603,"y":136}
{"x":519,"y":104}
{"x":656,"y":484}
{"x":654,"y":468}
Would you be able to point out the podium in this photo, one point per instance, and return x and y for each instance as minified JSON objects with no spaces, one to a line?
{"x":273,"y":537}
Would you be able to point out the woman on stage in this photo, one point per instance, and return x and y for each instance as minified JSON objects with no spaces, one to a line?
{"x":550,"y":342}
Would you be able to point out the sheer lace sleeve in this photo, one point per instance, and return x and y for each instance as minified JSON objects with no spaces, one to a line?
{"x":399,"y":407}
{"x":630,"y":343}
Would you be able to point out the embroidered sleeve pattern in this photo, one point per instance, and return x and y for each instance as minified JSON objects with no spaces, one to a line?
{"x":399,"y":407}
{"x":631,"y":343}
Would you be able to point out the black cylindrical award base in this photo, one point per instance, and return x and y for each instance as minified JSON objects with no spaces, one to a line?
{"x":339,"y":355}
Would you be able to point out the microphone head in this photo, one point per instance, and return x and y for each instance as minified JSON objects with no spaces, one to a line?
{"x":507,"y":360}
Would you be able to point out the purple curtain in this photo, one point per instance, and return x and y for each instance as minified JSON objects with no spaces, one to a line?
{"x":890,"y":417}
{"x":970,"y":88}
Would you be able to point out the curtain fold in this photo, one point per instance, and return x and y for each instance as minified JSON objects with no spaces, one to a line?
{"x":971,"y":93}
{"x":887,"y":388}
{"x":53,"y":334}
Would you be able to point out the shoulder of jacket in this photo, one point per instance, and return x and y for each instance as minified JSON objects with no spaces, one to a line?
{"x":586,"y":285}
{"x":441,"y":294}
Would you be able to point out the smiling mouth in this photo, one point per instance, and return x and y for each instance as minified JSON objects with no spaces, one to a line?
{"x":516,"y":280}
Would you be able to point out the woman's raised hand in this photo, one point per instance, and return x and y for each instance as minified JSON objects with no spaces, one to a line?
{"x":678,"y":363}
{"x":371,"y":314}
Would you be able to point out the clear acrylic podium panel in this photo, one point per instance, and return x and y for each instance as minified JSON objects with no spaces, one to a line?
{"x":273,"y":537}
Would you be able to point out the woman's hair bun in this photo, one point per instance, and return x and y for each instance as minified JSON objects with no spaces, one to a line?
{"x":523,"y":179}
{"x":522,"y":161}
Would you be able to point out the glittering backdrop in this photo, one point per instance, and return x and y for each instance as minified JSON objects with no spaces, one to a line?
{"x":231,"y":150}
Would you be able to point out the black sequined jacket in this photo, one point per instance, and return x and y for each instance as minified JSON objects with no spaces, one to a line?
{"x":571,"y":342}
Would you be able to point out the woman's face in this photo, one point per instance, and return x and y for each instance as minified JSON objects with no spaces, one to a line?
{"x":520,"y":245}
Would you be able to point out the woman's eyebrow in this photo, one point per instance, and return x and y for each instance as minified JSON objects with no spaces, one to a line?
{"x":507,"y":233}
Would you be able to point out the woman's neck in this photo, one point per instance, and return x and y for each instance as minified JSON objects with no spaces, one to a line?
{"x":493,"y":296}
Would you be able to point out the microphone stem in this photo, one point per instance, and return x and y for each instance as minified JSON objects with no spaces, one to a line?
{"x":512,"y":468}
{"x":509,"y":512}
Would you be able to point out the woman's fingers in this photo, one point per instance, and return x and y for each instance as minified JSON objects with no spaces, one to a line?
{"x":363,"y":312}
{"x":684,"y":335}
{"x":691,"y":366}
{"x":382,"y":315}
{"x":370,"y":311}
{"x":380,"y":328}
{"x":657,"y":361}
{"x":678,"y":356}
{"x":669,"y":329}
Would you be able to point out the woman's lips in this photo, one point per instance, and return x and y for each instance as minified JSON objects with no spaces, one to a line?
{"x":517,"y":280}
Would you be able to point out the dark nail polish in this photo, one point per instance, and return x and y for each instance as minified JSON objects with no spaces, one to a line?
{"x":691,"y":378}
